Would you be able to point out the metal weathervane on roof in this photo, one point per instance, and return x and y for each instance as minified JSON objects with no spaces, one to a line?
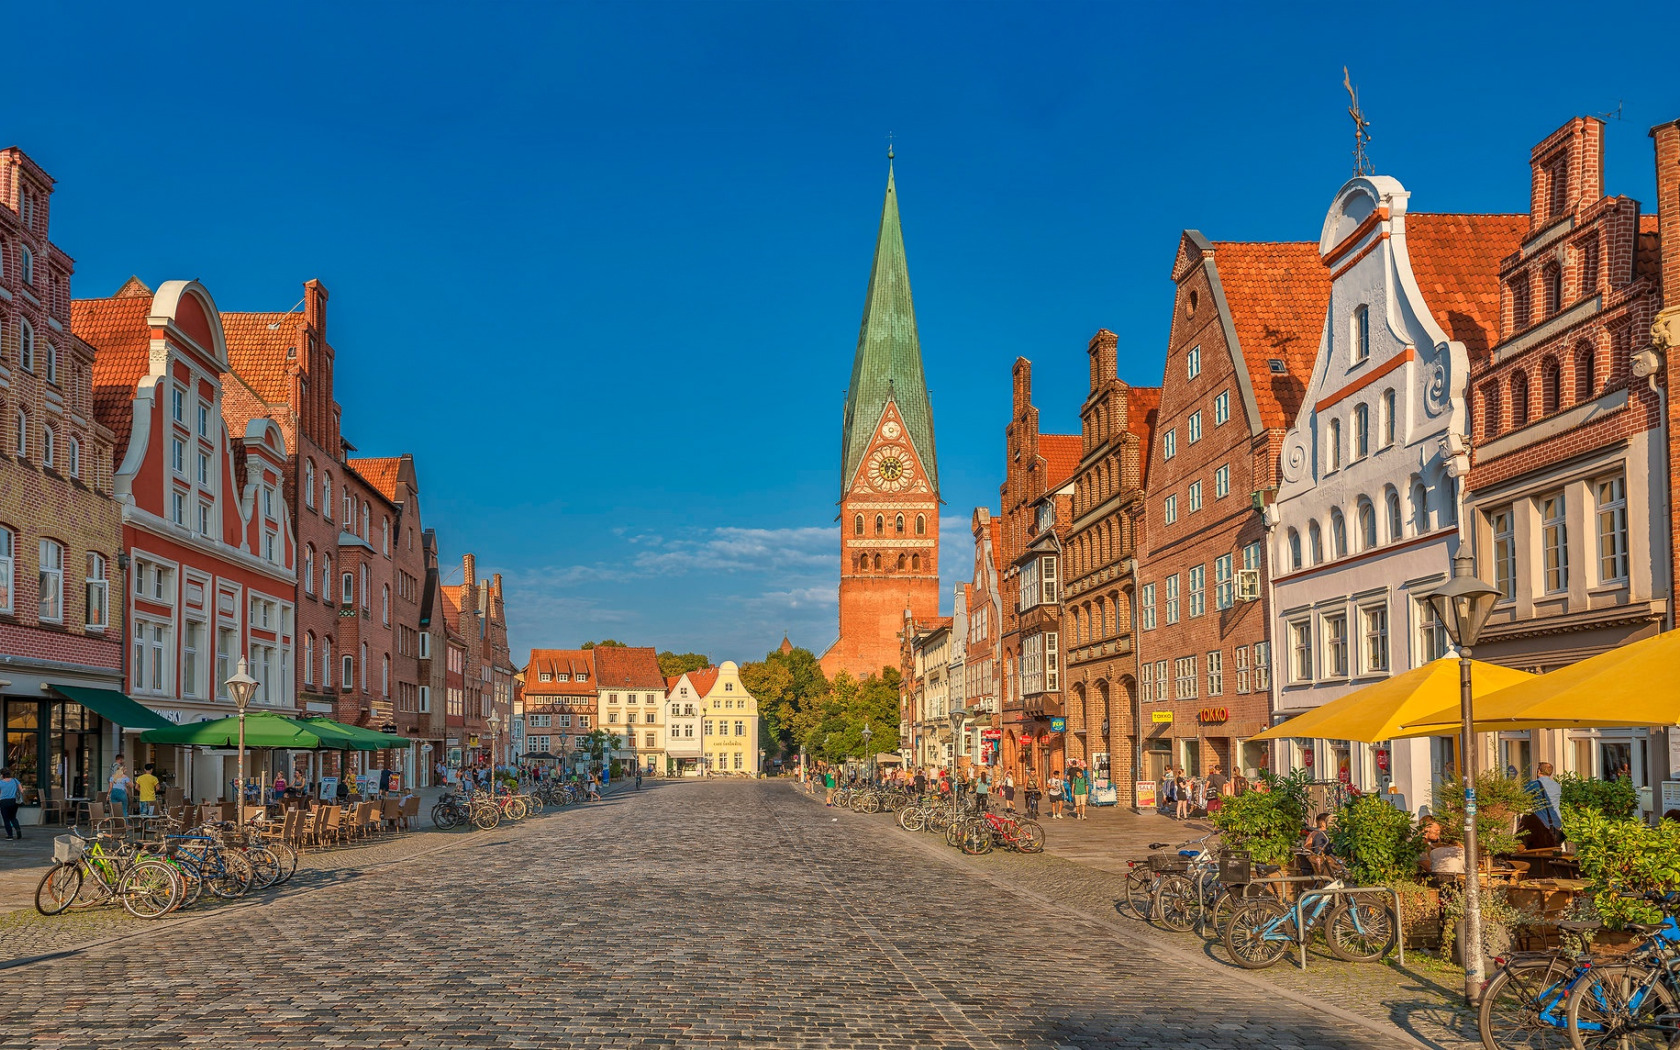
{"x":1361,"y":129}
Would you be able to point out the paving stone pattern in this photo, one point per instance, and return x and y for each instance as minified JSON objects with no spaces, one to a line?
{"x":689,"y":914}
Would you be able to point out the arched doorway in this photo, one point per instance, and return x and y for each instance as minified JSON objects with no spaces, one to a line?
{"x":1101,"y":753}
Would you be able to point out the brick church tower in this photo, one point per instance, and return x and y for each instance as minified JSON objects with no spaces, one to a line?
{"x":889,"y":478}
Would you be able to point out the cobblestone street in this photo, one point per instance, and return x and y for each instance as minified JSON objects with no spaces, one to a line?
{"x":730,"y":913}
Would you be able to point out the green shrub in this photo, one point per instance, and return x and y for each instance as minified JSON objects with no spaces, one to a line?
{"x":1377,"y":840}
{"x":1266,"y":821}
{"x":1500,"y":800}
{"x":1613,"y":798}
{"x":1623,"y":854}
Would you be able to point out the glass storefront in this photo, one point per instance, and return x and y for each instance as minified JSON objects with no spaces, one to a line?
{"x":56,"y":747}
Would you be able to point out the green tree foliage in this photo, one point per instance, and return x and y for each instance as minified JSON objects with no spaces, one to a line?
{"x":783,"y":684}
{"x":1267,"y":821}
{"x":1623,"y":854}
{"x":673,"y":664}
{"x":1613,"y":798}
{"x":833,"y":729}
{"x":605,"y":643}
{"x":1378,"y":841}
{"x":1500,"y":800}
{"x":600,"y":743}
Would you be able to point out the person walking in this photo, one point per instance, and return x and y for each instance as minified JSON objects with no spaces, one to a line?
{"x":828,"y":786}
{"x":119,"y":785}
{"x":11,"y":793}
{"x":1055,"y":786}
{"x":638,"y":778}
{"x":1009,"y":793}
{"x":145,"y":786}
{"x":983,"y":792}
{"x":1081,"y":793}
{"x":1181,"y":788}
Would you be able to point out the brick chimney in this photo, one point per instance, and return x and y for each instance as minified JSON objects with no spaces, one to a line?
{"x":1104,"y":350}
{"x":469,"y":573}
{"x":496,"y":596}
{"x":1667,"y":140}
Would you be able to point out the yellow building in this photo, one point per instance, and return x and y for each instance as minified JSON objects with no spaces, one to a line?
{"x":729,"y":725}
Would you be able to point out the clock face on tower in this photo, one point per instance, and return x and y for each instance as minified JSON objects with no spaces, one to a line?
{"x":890,"y":469}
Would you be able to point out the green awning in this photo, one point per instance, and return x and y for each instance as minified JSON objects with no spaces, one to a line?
{"x":262,"y":729}
{"x":114,"y":706}
{"x":357,"y":738}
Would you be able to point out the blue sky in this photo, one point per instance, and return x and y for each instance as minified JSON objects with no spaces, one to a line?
{"x":601,"y":267}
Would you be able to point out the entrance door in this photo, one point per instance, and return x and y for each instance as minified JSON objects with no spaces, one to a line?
{"x":1156,"y":757}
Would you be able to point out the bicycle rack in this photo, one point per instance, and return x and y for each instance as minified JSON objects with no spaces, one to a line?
{"x":1268,"y":880}
{"x":1300,"y":919}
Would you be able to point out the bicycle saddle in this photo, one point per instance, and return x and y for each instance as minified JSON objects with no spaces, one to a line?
{"x":1266,"y":869}
{"x":1159,"y":845}
{"x":1646,"y":928}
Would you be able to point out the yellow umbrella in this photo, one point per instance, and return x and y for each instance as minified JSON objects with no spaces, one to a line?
{"x":1378,"y":711}
{"x":1637,"y":684}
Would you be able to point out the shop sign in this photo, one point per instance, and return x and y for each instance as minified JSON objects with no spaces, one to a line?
{"x":1209,"y":715}
{"x":991,"y":734}
{"x":1058,"y":725}
{"x":1382,"y":759}
{"x":1145,"y":794}
{"x":1026,"y":739}
{"x":1161,"y":717}
{"x":452,"y":742}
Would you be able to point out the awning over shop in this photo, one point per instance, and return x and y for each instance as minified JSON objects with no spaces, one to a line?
{"x":115,"y":707}
{"x":1381,"y":711}
{"x":262,"y":729}
{"x":355,"y":738}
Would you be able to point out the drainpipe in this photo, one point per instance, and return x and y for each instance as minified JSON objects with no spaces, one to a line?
{"x":1647,"y":364}
{"x":1131,"y":566}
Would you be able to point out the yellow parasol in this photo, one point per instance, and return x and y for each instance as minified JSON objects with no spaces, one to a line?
{"x":1637,"y":684}
{"x":1380,"y":710}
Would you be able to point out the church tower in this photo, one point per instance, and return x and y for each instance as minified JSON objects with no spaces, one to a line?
{"x":889,"y":476}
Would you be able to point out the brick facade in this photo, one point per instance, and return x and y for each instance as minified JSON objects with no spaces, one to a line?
{"x":1665,"y":329}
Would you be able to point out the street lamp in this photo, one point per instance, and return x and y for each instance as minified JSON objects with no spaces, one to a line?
{"x":1463,"y":605}
{"x":242,"y":687}
{"x":866,"y":750}
{"x":958,"y":718}
{"x":495,"y":740}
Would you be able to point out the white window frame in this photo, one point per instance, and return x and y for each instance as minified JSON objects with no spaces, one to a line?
{"x":1196,"y":586}
{"x":1334,"y":643}
{"x":97,"y":595}
{"x":1169,"y":509}
{"x":1222,"y":481}
{"x":1554,"y":542}
{"x":1193,"y":427}
{"x":1224,"y":581}
{"x":1611,"y":506}
{"x":1169,"y":443}
{"x":1222,"y":408}
{"x":1216,"y":673}
{"x":1375,"y":656}
{"x":1146,"y":608}
{"x":1302,"y":669}
{"x":50,"y":579}
{"x":1195,"y":496}
{"x":1193,"y":362}
{"x":1172,"y":599}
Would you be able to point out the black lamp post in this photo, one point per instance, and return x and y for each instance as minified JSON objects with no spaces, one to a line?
{"x":1463,"y":605}
{"x":242,"y":687}
{"x":866,"y":735}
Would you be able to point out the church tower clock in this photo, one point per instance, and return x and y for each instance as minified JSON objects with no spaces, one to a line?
{"x":889,"y":476}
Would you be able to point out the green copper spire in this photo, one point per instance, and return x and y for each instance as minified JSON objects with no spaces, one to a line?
{"x":888,"y":366}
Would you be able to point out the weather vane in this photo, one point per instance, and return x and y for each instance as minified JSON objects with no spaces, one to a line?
{"x":889,"y":146}
{"x":1361,"y":129}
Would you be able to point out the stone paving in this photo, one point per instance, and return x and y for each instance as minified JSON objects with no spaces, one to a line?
{"x":689,"y":914}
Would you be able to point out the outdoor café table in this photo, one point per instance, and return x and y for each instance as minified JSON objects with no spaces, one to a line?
{"x":1540,"y":860}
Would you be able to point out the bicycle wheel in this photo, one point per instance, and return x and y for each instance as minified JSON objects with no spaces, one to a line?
{"x":1174,"y":903}
{"x":444,"y":816}
{"x":149,"y":890}
{"x":486,"y":817}
{"x":911,"y":819}
{"x":1219,"y":913}
{"x":1523,"y":1006}
{"x":976,"y":838}
{"x":1029,"y":836}
{"x":517,"y":809}
{"x":1259,"y":934}
{"x":231,"y":878}
{"x":287,"y":855}
{"x":58,"y":888}
{"x":265,"y":867}
{"x":1360,"y":931}
{"x":1140,"y":893}
{"x":1622,"y":1006}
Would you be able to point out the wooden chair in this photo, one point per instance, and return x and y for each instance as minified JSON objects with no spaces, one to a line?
{"x":390,"y":813}
{"x":411,"y":812}
{"x":314,"y":828}
{"x":333,"y":829}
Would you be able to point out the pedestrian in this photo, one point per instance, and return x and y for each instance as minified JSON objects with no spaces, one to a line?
{"x":1218,"y":786}
{"x":1055,"y":786}
{"x":145,"y":787}
{"x":11,"y":793}
{"x":1318,"y":841}
{"x":1081,"y":793}
{"x":1008,"y":792}
{"x":1181,"y":791}
{"x":279,"y":790}
{"x":1548,"y":796}
{"x":1032,"y":797}
{"x":983,"y":792}
{"x":638,"y":778}
{"x":119,"y":785}
{"x":828,"y":786}
{"x":921,"y":782}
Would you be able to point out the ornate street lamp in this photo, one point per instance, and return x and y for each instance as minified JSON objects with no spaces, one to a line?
{"x":866,"y":735}
{"x":242,"y":687}
{"x":495,"y":741}
{"x":1463,"y":605}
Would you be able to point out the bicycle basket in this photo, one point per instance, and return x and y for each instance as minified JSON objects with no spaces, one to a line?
{"x":1236,"y":868}
{"x":67,"y":849}
{"x":1168,"y":862}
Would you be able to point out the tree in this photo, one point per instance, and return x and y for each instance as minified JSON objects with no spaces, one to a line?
{"x":784,"y":684}
{"x":599,"y":743}
{"x":605,"y":643}
{"x":673,"y":664}
{"x":832,"y":729}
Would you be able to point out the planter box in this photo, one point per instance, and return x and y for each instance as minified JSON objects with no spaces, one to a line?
{"x":29,"y":816}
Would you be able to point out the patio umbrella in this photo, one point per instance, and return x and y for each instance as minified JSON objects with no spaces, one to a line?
{"x":355,"y":738}
{"x":1381,"y":710}
{"x":1637,"y":684}
{"x":262,"y":729}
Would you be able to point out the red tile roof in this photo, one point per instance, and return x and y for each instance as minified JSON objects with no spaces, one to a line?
{"x":626,"y":667}
{"x":997,"y":544}
{"x":1278,"y":292}
{"x":452,"y":607}
{"x":259,"y":355}
{"x":569,"y":662}
{"x":1455,"y":259}
{"x":116,"y":329}
{"x":380,"y":472}
{"x":703,"y":680}
{"x":1061,"y":454}
{"x":1143,"y":406}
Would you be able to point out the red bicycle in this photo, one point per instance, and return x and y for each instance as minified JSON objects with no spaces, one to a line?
{"x":987,"y":830}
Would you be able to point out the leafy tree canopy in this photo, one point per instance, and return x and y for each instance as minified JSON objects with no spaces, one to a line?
{"x":784,"y":684}
{"x":605,"y":643}
{"x":673,"y":664}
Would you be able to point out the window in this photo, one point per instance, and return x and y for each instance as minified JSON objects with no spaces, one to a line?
{"x":347,"y":582}
{"x":1432,"y":633}
{"x":1361,"y":431}
{"x":1392,"y":502}
{"x":1373,"y":628}
{"x":1195,"y":426}
{"x":1224,"y":581}
{"x":49,"y":442}
{"x":385,"y":535}
{"x":1519,"y":302}
{"x":1222,"y":482}
{"x":1554,"y":542}
{"x":1242,"y":668}
{"x":1169,"y":509}
{"x":50,"y":360}
{"x":1420,"y":509}
{"x":1551,"y":282}
{"x":309,"y":483}
{"x":921,"y":524}
{"x":1315,"y":542}
{"x":1612,"y":530}
{"x":365,"y":589}
{"x":1585,"y":382}
{"x":1550,"y":378}
{"x":204,"y":468}
{"x":1367,"y":524}
{"x":426,"y":649}
{"x":1184,"y":678}
{"x":1169,"y":444}
{"x":308,"y":573}
{"x":1333,"y":453}
{"x":1216,"y":673}
{"x":22,"y":422}
{"x":1222,"y":408}
{"x":178,"y":508}
{"x":1387,"y":418}
{"x":1335,"y":645}
{"x":1338,"y":534}
{"x":1146,"y":609}
{"x":178,"y":456}
{"x":349,"y":676}
{"x":326,"y":497}
{"x":1195,"y":496}
{"x":385,"y":604}
{"x":27,"y":265}
{"x":1294,"y":550}
{"x":51,"y":578}
{"x":1361,"y":334}
{"x":1193,"y":362}
{"x":98,"y":592}
{"x":1263,"y":666}
{"x":385,"y":677}
{"x":150,"y":669}
{"x":880,"y":527}
{"x":857,"y":525}
{"x":26,"y":345}
{"x":326,"y":663}
{"x":1501,"y":522}
{"x":203,"y":419}
{"x":1198,"y":590}
{"x":898,"y":525}
{"x":1172,"y":599}
{"x":1146,"y":681}
{"x":425,"y":697}
{"x":193,"y":656}
{"x":75,"y":457}
{"x":178,"y":405}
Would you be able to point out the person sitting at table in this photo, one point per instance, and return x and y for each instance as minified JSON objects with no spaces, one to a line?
{"x":1547,"y":794}
{"x":1442,"y":853}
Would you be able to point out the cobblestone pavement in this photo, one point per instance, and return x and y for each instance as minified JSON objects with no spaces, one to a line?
{"x":724,"y":914}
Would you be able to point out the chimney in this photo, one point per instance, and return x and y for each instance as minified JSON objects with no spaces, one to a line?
{"x":315,"y":307}
{"x":496,"y":596}
{"x":1104,"y":350}
{"x":469,"y":572}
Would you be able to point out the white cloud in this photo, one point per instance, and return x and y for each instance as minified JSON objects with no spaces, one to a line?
{"x":729,"y":549}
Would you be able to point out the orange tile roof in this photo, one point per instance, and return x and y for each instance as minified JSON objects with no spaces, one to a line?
{"x":116,"y":329}
{"x":452,"y":607}
{"x":703,"y":680}
{"x":1455,"y":259}
{"x":1143,"y":406}
{"x":997,"y":544}
{"x":380,"y":472}
{"x":1278,"y":292}
{"x":259,"y":355}
{"x":1061,"y":453}
{"x":627,"y":667}
{"x":570,"y":662}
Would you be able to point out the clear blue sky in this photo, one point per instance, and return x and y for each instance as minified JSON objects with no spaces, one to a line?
{"x":601,"y":267}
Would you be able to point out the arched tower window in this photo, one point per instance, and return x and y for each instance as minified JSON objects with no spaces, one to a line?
{"x":921,"y":524}
{"x":898,"y":524}
{"x":1519,"y":399}
{"x":880,"y":525}
{"x":915,"y":563}
{"x":1294,"y":549}
{"x":1549,"y":379}
{"x":857,"y":525}
{"x":1586,"y":383}
{"x":877,"y":563}
{"x":1367,"y":524}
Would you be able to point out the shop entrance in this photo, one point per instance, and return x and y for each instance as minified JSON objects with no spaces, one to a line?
{"x":1157,"y":756}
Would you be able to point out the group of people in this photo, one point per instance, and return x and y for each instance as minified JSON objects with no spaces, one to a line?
{"x":1182,"y":796}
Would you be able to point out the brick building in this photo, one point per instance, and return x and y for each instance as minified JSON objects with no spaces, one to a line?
{"x":982,"y":660}
{"x":889,"y":476}
{"x":207,"y":530}
{"x":1665,"y":329}
{"x":1569,"y":487}
{"x":439,"y":744}
{"x":1117,"y":422}
{"x":60,"y":528}
{"x":1035,"y":465}
{"x":1368,"y":507}
{"x":561,"y":699}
